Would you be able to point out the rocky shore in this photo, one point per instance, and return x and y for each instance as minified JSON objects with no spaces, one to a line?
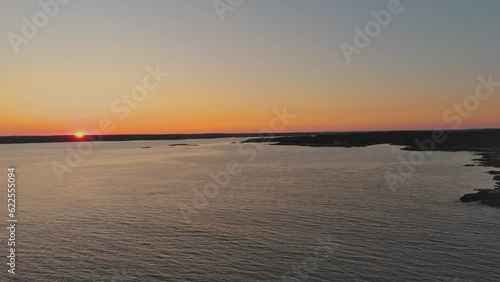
{"x":489,"y":197}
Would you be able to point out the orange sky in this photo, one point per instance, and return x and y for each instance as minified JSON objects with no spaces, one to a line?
{"x":229,"y":76}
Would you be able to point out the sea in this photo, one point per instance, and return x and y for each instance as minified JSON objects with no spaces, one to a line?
{"x":222,"y":210}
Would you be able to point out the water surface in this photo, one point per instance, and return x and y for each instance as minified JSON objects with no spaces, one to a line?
{"x":316,"y":214}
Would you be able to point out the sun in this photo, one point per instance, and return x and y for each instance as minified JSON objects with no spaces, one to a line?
{"x":79,"y":134}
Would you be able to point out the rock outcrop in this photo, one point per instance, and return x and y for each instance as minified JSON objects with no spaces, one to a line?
{"x":489,"y":197}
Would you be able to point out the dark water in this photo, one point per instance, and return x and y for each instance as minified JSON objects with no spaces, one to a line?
{"x":290,"y":214}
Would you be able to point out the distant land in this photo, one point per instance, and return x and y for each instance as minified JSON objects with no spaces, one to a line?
{"x":456,"y":139}
{"x":120,"y":137}
{"x":483,"y":142}
{"x":445,"y":140}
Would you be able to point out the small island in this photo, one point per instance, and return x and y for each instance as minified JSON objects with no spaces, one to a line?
{"x":183,"y":145}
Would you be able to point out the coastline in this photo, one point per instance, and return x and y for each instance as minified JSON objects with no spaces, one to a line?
{"x":484,"y":143}
{"x":489,"y":197}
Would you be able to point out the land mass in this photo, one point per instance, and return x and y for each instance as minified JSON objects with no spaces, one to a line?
{"x":121,"y":137}
{"x":484,"y":142}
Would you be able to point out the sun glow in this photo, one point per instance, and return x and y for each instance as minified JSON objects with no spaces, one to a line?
{"x":79,"y":134}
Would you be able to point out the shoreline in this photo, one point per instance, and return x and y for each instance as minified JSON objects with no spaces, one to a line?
{"x":116,"y":138}
{"x":484,"y":143}
{"x":488,"y":197}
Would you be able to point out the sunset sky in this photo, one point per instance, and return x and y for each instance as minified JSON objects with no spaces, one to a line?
{"x":227,"y":76}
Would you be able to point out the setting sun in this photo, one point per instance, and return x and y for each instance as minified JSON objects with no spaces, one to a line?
{"x":80,"y":134}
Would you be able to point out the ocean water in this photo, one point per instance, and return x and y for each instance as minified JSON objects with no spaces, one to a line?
{"x":285,"y":213}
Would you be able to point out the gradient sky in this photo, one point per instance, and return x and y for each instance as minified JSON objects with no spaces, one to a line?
{"x":227,"y":76}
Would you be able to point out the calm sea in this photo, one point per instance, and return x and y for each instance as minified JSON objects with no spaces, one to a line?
{"x":174,"y":213}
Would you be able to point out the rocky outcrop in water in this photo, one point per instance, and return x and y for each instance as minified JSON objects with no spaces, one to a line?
{"x":489,"y":197}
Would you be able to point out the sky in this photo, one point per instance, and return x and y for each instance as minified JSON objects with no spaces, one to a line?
{"x":228,"y":74}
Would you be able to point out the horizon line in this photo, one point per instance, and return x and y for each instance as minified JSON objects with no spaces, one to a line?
{"x":255,"y":133}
